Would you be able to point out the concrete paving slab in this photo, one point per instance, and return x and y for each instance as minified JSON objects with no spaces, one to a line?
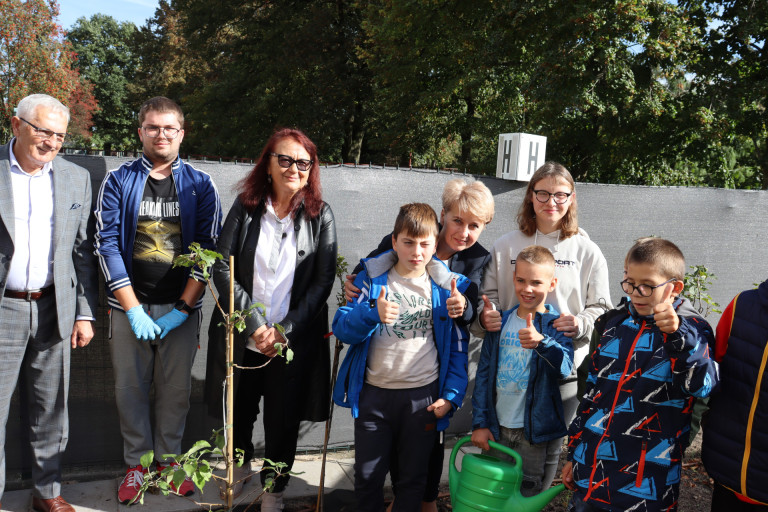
{"x":97,"y":496}
{"x":101,"y":496}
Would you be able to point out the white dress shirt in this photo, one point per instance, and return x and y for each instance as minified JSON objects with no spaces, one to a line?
{"x":274,"y":266}
{"x":32,"y":262}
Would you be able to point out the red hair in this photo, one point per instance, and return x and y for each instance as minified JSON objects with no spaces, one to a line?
{"x":255,"y":188}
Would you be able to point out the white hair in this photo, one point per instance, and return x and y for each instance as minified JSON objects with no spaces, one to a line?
{"x":27,"y":106}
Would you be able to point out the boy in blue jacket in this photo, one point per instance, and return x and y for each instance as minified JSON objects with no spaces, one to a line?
{"x":626,"y":443}
{"x":516,"y":401}
{"x":406,"y":369}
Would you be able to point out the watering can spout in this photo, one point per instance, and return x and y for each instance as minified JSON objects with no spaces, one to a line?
{"x":519,"y":503}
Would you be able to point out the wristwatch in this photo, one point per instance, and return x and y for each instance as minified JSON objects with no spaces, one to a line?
{"x":182,"y":306}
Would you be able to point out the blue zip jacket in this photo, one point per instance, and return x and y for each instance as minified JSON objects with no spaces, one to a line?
{"x":117,"y":214}
{"x":551,"y":361}
{"x":355,"y":323}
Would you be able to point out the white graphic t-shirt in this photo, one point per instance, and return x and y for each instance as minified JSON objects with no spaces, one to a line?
{"x":403,"y":355}
{"x":512,"y":374}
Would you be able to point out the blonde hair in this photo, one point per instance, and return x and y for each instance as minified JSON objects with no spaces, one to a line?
{"x":537,"y":255}
{"x":664,"y":256}
{"x":417,"y":220}
{"x":473,"y":198}
{"x":526,"y":216}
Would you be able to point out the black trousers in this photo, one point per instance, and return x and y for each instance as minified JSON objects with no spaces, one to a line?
{"x":393,"y":420}
{"x":280,"y":391}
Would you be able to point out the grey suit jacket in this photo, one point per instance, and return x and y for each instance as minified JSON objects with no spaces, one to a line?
{"x":74,"y":265}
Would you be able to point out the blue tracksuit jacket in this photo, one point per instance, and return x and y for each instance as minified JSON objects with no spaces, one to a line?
{"x":117,"y":214}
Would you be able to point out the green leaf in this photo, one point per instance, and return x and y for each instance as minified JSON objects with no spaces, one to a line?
{"x":147,"y":459}
{"x":199,"y":480}
{"x":289,"y":355}
{"x":189,"y":468}
{"x":164,"y":487}
{"x":178,"y":477}
{"x":219,"y":440}
{"x":199,"y":445}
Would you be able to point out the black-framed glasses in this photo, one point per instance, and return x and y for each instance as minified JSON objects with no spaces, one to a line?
{"x":44,"y":134}
{"x":285,"y":162}
{"x":645,"y":290}
{"x":543,"y":196}
{"x":155,"y":131}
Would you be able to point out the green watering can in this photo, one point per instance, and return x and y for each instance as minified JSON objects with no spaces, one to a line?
{"x":488,"y":484}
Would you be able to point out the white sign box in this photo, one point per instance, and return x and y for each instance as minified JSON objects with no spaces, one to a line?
{"x":520,"y":154}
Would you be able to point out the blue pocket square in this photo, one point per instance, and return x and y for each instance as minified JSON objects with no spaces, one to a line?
{"x":75,"y":206}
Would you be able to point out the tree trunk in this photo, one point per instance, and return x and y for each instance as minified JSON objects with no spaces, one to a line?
{"x":355,"y":132}
{"x":466,"y":133}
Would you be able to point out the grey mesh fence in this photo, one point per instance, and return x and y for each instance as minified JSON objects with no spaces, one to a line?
{"x":721,"y":229}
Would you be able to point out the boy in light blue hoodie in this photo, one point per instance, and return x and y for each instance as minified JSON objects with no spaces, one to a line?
{"x":516,"y":401}
{"x":406,"y":369}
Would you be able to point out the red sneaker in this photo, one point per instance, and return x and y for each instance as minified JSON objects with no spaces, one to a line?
{"x":187,"y":488}
{"x":129,"y":487}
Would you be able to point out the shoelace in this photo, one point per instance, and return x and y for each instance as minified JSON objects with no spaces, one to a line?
{"x":135,"y":478}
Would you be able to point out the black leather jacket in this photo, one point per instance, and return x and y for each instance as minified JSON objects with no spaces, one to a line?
{"x":306,"y":323}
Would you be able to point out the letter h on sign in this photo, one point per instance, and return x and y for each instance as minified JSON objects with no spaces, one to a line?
{"x":519,"y":155}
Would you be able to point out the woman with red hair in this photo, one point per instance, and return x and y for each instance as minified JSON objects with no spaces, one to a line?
{"x":283,"y":237}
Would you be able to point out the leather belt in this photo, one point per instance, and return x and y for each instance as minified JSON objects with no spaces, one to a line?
{"x":29,"y":295}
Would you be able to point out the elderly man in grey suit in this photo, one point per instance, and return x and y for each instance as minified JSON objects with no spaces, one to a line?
{"x":48,"y":285}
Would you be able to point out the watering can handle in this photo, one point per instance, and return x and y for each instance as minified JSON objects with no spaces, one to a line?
{"x":466,"y":439}
{"x":452,"y":460}
{"x":509,"y":451}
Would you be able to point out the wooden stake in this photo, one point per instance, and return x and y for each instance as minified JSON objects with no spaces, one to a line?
{"x":320,"y":489}
{"x":230,"y":386}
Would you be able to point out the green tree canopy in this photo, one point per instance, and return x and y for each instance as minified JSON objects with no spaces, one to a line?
{"x":105,"y":57}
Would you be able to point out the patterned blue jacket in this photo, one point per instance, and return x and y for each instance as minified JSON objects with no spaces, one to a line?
{"x":626,"y":442}
{"x":355,"y":323}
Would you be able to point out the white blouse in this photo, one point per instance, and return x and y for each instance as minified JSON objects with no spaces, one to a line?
{"x":274,"y":266}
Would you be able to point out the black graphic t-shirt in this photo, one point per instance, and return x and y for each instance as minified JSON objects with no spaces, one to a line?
{"x":157,"y":243}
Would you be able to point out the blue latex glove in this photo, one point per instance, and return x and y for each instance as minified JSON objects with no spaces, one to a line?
{"x":141,"y":324}
{"x":170,"y":321}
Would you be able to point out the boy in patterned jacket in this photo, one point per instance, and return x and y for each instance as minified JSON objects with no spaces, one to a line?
{"x":626,"y":443}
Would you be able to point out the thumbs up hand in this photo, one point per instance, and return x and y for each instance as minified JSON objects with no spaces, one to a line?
{"x":388,"y":311}
{"x":666,"y":318}
{"x":456,"y":303}
{"x":490,"y":318}
{"x":529,"y":336}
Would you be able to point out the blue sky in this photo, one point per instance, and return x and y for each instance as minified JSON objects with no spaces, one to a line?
{"x":137,"y":11}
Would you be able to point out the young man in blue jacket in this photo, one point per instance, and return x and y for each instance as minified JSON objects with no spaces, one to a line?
{"x":406,"y":370}
{"x":516,"y":401}
{"x":149,"y":211}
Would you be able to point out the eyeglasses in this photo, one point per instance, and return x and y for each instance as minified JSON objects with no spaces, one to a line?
{"x":44,"y":134}
{"x":154,"y":131}
{"x":285,"y":162}
{"x":543,"y":196}
{"x":645,"y":290}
